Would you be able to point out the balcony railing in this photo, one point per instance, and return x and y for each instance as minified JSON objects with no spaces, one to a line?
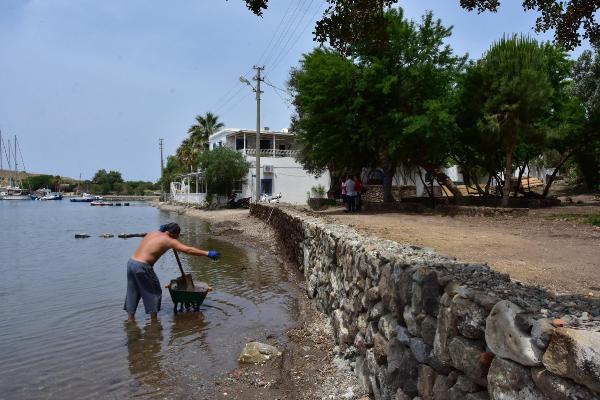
{"x":270,"y":152}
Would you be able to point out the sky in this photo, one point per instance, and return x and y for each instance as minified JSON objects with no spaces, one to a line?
{"x":88,"y":84}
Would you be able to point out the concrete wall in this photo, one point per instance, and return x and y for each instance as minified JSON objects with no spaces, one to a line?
{"x":417,"y":325}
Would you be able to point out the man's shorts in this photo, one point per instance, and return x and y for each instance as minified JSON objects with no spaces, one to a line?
{"x":142,"y":283}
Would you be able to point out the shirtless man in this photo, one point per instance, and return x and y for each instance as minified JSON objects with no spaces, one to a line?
{"x":142,"y":282}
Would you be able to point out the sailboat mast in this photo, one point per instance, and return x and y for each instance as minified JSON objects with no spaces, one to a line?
{"x":16,"y":164}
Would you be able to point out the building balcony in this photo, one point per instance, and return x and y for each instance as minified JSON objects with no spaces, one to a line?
{"x":270,"y":152}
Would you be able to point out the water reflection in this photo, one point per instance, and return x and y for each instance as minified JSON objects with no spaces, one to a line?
{"x":144,"y":352}
{"x":187,"y":328}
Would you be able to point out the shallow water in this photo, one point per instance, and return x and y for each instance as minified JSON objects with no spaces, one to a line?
{"x":62,"y":329}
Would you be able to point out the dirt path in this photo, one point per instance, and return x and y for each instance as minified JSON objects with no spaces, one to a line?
{"x":546,"y":247}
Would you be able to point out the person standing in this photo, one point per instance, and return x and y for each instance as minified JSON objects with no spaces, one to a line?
{"x":350,"y":194}
{"x":358,"y":187}
{"x":142,"y":282}
{"x":344,"y":199}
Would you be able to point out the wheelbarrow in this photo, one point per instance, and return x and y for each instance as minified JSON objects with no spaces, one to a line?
{"x":184,"y":293}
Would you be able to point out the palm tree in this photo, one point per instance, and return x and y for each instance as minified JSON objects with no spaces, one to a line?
{"x":187,"y":153}
{"x":206,"y":125}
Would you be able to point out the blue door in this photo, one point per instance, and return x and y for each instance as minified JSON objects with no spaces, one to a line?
{"x":266,"y":186}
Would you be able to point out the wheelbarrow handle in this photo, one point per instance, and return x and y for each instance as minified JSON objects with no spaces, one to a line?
{"x":178,"y":262}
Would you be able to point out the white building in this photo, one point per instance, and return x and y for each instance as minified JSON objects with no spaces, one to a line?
{"x":280,"y":172}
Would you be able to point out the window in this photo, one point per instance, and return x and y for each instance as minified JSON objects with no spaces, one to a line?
{"x":220,"y":143}
{"x":266,"y":144}
{"x":214,"y":145}
{"x":282,"y":147}
{"x":237,"y":186}
{"x":239,"y":143}
{"x":266,"y":186}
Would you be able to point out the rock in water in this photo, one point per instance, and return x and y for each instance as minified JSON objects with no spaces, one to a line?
{"x":107,"y":235}
{"x":506,"y":340}
{"x":256,"y":352}
{"x":81,"y":236}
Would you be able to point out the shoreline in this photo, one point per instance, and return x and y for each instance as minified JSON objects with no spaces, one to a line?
{"x":308,"y":367}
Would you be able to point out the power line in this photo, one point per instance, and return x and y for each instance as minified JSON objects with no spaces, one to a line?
{"x":275,"y":33}
{"x":226,"y":97}
{"x":293,"y":18}
{"x":283,"y":54}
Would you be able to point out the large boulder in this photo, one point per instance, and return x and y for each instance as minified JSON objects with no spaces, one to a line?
{"x":470,"y":317}
{"x":556,"y":388}
{"x":466,"y":357}
{"x":575,"y":354}
{"x":340,"y":327}
{"x":402,"y":367}
{"x":388,"y":326}
{"x":508,"y":380}
{"x":426,"y":381}
{"x":380,"y":348}
{"x":446,"y":330}
{"x":421,"y":350}
{"x":256,"y":353}
{"x":541,"y":332}
{"x":506,"y":339}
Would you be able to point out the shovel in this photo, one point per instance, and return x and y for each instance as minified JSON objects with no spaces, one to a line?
{"x":185,"y":278}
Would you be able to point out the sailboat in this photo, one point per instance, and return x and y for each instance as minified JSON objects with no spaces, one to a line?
{"x":11,"y":186}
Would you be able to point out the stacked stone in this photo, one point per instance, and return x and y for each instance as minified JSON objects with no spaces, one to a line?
{"x":418,"y":325}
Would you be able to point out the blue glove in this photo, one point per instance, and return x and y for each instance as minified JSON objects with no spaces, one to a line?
{"x":213,"y":254}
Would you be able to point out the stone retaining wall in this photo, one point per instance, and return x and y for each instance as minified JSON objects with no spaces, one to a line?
{"x":417,"y":325}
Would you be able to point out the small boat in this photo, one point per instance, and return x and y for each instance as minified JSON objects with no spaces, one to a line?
{"x":52,"y":196}
{"x":15,"y":193}
{"x":85,"y":198}
{"x":100,"y":203}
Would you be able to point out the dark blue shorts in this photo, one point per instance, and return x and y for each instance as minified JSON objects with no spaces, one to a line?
{"x":142,"y":283}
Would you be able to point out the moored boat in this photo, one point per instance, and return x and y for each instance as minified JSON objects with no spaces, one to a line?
{"x":100,"y":203}
{"x":52,"y":196}
{"x":85,"y":198}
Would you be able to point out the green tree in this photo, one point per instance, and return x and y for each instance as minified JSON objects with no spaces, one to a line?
{"x":107,"y":181}
{"x":172,"y":170}
{"x":205,"y":126}
{"x":514,"y":93}
{"x":222,"y":166}
{"x":187,"y":153}
{"x":586,"y":87}
{"x":383,"y":107}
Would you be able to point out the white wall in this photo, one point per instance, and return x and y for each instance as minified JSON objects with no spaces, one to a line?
{"x":288,"y":177}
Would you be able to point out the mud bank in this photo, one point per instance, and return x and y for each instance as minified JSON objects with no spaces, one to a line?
{"x":309,"y":367}
{"x":419,"y":325}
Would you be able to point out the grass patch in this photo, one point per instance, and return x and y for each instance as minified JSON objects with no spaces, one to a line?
{"x":592,"y":219}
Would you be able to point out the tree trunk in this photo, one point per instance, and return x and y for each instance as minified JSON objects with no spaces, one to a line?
{"x":441,"y":177}
{"x":507,"y":176}
{"x":429,"y":194}
{"x":388,"y":180}
{"x":555,"y":172}
{"x":521,"y":172}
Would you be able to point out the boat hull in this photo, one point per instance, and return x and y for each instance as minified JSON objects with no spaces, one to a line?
{"x":15,"y":197}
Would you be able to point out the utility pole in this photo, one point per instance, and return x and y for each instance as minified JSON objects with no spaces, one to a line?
{"x":256,"y":90}
{"x":258,"y":79}
{"x":162,"y":169}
